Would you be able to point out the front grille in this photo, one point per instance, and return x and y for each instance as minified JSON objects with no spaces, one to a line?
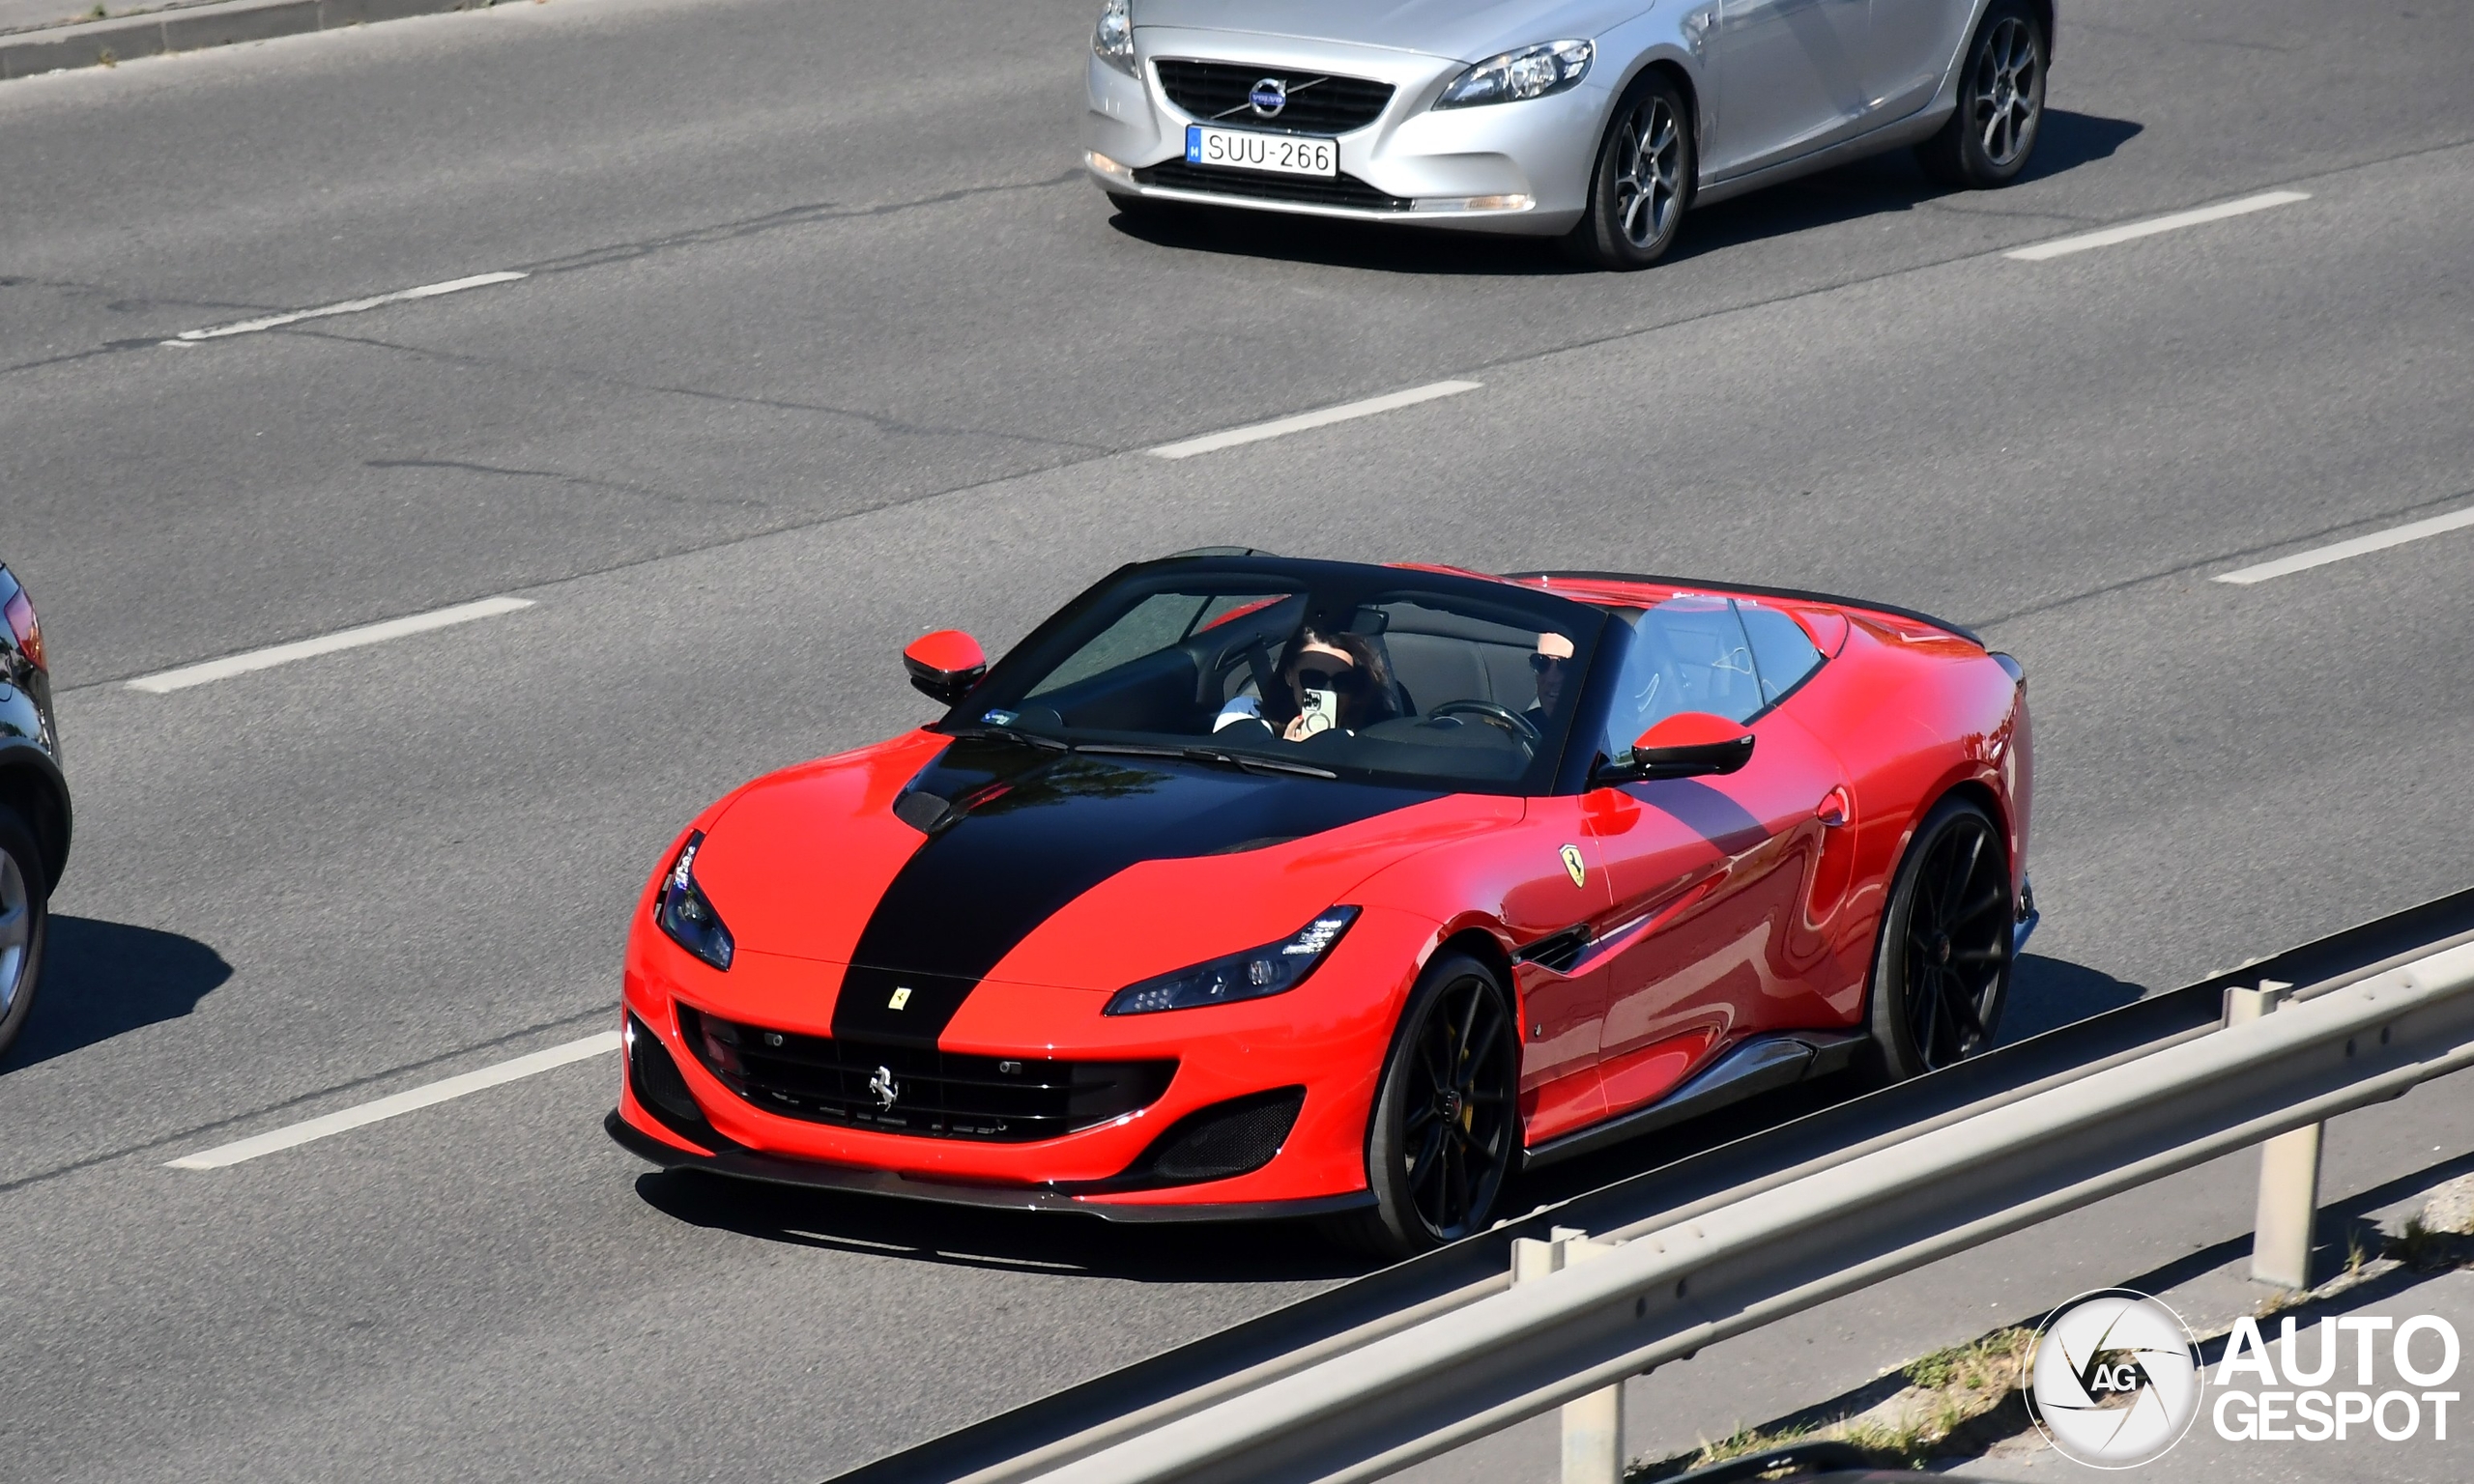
{"x":1217,"y":92}
{"x":935,"y":1094}
{"x":1313,"y":191}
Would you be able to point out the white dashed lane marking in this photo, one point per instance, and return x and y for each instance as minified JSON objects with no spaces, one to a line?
{"x":1279,"y":427}
{"x":396,"y":1104}
{"x":348,"y":306}
{"x":2130,"y":231}
{"x":2339,"y":551}
{"x":225,"y":668}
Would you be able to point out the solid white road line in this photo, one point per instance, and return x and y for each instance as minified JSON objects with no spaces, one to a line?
{"x":348,"y":306}
{"x":387,"y":1107}
{"x":2339,"y":551}
{"x":2128,"y":231}
{"x":232,"y":665}
{"x":1280,"y":426}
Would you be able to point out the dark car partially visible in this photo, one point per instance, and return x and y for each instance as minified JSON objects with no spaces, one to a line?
{"x":34,"y":805}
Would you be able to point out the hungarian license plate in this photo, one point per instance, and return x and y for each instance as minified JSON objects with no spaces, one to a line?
{"x":1238,"y":149}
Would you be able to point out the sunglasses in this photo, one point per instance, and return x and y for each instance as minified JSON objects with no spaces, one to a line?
{"x":1542,"y":662}
{"x":1317,"y":678}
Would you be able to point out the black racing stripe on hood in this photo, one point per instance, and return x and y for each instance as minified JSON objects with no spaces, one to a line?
{"x":1039,"y":832}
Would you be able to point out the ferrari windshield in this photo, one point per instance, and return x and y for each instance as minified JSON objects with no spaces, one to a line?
{"x":1325,"y":668}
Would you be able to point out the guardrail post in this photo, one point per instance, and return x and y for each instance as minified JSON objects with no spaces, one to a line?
{"x":2288,"y":1170}
{"x":1593,"y":1425}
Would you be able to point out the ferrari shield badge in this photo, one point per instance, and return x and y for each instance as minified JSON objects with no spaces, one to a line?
{"x":901,"y":997}
{"x":1573,"y":864}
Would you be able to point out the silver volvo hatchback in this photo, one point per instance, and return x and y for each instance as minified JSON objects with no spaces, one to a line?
{"x":1598,"y":121}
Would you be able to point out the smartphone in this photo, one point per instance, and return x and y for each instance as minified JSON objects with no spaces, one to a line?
{"x":1320,"y":710}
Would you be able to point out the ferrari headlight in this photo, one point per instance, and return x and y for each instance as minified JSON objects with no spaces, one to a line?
{"x":685,"y":913}
{"x":1271,"y":969}
{"x":1532,"y":72}
{"x":1113,"y":38}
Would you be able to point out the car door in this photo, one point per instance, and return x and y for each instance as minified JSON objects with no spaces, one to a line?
{"x":1709,"y":935}
{"x":1554,"y":897}
{"x":1792,"y":77}
{"x":1912,"y":44}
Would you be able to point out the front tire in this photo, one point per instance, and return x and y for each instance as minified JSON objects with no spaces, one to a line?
{"x":25,"y":914}
{"x":2001,"y":103}
{"x":1941,"y":966}
{"x":1446,"y":1126}
{"x":1641,"y":182}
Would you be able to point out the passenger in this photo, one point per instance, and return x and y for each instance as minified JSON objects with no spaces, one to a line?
{"x":1333,"y":681}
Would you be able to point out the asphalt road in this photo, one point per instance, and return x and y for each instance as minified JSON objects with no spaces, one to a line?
{"x":825,"y":344}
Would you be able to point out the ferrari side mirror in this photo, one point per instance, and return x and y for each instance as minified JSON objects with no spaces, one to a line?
{"x":945,"y":665}
{"x":1689,"y":744}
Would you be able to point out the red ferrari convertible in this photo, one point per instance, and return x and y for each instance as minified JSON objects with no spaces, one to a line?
{"x":1247,"y":886}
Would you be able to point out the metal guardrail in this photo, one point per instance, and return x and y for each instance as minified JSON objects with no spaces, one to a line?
{"x":1139,"y":1423}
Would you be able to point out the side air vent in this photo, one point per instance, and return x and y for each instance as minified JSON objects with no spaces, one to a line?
{"x":1557,"y":951}
{"x":653,"y":1077}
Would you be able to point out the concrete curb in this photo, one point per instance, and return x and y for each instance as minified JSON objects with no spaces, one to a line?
{"x":193,"y":28}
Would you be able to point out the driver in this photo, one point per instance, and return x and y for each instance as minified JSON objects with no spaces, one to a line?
{"x":1331,"y":682}
{"x":1551,"y":664}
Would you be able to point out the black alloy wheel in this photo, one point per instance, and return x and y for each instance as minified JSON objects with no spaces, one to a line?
{"x":1942,"y":969}
{"x":23,"y":916}
{"x":1643,"y":180}
{"x":2001,"y":103}
{"x":1446,"y":1127}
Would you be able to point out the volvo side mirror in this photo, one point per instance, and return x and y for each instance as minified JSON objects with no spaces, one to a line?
{"x":945,"y":665}
{"x":1689,"y":744}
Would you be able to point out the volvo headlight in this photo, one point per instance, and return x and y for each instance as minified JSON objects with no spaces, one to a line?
{"x":684,"y":912}
{"x":1271,"y":969}
{"x":1532,"y":72}
{"x":1113,"y":38}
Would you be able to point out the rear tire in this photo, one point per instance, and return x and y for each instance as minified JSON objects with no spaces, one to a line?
{"x":2001,"y":103}
{"x":25,"y":914}
{"x":1642,"y":183}
{"x":1941,"y":965}
{"x":1446,"y":1125}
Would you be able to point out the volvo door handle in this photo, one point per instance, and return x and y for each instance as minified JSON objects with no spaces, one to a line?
{"x":1835,"y":808}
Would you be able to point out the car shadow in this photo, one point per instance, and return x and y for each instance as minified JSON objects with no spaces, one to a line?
{"x":1013,"y":1242}
{"x":103,"y":979}
{"x":1323,"y":243}
{"x":1886,"y":183}
{"x":1867,"y":188}
{"x":2048,"y":993}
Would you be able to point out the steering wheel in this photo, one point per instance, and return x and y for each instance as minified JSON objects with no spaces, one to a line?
{"x":1520,"y":727}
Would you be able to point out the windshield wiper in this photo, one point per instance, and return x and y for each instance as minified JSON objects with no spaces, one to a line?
{"x":1000,"y":734}
{"x":1247,"y":760}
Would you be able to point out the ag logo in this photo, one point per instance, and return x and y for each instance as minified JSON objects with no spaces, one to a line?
{"x":2114,"y":1381}
{"x":1574,"y":866}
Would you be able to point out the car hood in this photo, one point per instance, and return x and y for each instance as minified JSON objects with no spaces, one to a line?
{"x":1464,"y":29}
{"x":1083,"y":871}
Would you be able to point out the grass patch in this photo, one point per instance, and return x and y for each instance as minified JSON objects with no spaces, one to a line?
{"x":1956,"y":1403}
{"x":1994,"y":1360}
{"x":2428,"y":1249}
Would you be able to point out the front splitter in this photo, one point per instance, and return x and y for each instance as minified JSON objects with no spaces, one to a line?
{"x":773,"y":1169}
